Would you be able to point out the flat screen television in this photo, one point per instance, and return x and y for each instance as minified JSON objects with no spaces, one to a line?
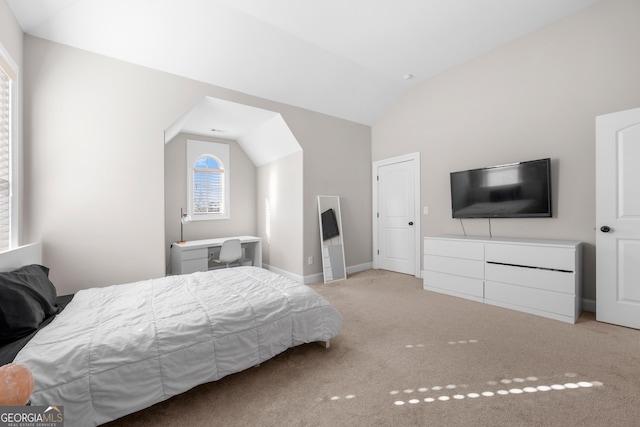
{"x":329,"y":224}
{"x":516,"y":190}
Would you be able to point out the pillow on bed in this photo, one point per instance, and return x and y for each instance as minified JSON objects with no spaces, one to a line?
{"x":27,"y":298}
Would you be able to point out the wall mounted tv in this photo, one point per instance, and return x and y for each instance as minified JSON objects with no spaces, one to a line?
{"x":516,"y":190}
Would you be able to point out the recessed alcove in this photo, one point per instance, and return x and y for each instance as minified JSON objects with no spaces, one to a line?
{"x":265,"y":173}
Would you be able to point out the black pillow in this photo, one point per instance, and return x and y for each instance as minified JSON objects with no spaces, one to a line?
{"x":27,"y":298}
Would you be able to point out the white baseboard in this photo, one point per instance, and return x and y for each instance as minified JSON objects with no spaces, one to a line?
{"x":317,"y":277}
{"x":588,"y":305}
{"x":285,"y":273}
{"x":360,"y":267}
{"x":313,"y":278}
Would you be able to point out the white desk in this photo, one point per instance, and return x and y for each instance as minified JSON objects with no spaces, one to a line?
{"x":193,"y":255}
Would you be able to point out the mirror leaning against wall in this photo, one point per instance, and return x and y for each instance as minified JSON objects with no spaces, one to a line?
{"x":331,"y":239}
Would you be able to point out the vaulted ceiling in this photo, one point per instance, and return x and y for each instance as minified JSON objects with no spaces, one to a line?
{"x":347,"y":58}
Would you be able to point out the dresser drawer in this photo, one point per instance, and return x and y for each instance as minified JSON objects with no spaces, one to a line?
{"x":458,"y":266}
{"x":548,"y":257}
{"x":528,"y":298}
{"x":454,"y":248}
{"x":451,"y":284}
{"x":550,"y":280}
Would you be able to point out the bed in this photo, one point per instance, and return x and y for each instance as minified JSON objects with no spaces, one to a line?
{"x":115,"y":350}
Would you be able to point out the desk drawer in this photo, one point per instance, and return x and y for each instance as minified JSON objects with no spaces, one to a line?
{"x":188,"y":254}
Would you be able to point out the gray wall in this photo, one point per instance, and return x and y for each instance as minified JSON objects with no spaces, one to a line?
{"x":337,"y":162}
{"x":94,"y":165}
{"x":533,"y":98}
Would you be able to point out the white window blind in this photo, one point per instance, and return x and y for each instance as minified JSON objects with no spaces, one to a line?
{"x":6,"y":88}
{"x":208,"y":176}
{"x":208,"y":186}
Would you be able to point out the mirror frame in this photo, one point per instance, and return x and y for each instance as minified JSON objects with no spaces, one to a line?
{"x":332,"y":249}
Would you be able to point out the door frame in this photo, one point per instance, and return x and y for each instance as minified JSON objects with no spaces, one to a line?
{"x":374,"y":211}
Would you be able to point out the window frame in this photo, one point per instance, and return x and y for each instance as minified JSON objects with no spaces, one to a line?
{"x":10,"y":68}
{"x":219,"y":171}
{"x":220,"y":152}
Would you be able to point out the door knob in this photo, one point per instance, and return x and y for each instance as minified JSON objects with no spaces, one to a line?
{"x":605,"y":229}
{"x":410,"y":222}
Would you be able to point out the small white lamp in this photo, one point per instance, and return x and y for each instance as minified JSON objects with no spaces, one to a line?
{"x":184,"y":218}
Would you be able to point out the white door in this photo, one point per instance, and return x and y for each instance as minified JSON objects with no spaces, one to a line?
{"x":618,"y":218}
{"x":396,"y":217}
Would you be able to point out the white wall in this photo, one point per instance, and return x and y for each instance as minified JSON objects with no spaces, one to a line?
{"x":280,"y":205}
{"x":94,"y":164}
{"x":10,"y":32}
{"x":533,"y":98}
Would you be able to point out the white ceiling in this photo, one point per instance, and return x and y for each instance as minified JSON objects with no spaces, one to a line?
{"x":263,"y":135}
{"x":345,"y":58}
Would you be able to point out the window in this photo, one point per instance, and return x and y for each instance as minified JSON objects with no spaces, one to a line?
{"x":208,"y":180}
{"x":8,"y":181}
{"x":208,"y":186}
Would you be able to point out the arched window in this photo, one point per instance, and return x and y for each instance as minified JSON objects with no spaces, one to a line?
{"x":208,"y":177}
{"x":208,"y":186}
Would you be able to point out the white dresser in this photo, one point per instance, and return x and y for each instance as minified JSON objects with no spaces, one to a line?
{"x":541,"y":277}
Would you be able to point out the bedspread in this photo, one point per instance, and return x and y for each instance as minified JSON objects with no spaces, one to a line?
{"x":116,"y":350}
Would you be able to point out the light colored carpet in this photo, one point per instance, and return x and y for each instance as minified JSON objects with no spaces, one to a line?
{"x":408,"y":357}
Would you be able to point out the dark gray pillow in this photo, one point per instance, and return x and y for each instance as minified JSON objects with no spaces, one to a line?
{"x":27,"y":298}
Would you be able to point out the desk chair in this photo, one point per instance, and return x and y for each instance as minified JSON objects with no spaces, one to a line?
{"x":230,"y":252}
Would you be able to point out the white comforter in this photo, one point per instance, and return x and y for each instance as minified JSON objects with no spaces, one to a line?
{"x":119,"y":349}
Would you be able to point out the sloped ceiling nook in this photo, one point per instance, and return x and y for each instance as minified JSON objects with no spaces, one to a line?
{"x":267,"y":178}
{"x":262,"y":134}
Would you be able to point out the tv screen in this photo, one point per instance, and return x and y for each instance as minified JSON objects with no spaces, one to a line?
{"x":329,"y":224}
{"x":516,"y":190}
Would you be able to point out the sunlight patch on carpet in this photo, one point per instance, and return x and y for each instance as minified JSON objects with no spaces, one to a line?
{"x":449,"y":342}
{"x":512,"y":380}
{"x":426,"y":389}
{"x":336,"y":398}
{"x":489,"y":393}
